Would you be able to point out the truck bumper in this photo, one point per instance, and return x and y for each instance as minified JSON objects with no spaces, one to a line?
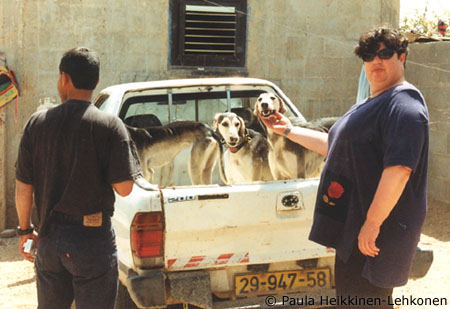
{"x":193,"y":287}
{"x":149,"y":290}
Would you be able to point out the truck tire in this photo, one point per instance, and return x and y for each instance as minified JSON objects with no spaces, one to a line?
{"x":123,"y":299}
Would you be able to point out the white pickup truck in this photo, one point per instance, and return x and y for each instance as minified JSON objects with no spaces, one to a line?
{"x":213,"y":246}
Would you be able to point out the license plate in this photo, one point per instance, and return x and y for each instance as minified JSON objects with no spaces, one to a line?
{"x":282,"y":281}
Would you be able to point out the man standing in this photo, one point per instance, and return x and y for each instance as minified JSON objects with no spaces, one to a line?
{"x":71,"y":158}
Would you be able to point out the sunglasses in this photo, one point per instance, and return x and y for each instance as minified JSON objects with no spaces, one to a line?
{"x":386,"y":53}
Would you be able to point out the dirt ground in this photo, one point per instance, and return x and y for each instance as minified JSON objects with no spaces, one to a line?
{"x":18,"y":288}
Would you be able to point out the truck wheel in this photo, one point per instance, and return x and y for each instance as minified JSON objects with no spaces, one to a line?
{"x":123,"y":299}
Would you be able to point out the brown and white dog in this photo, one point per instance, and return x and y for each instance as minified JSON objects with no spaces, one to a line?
{"x":289,"y":160}
{"x":158,"y":146}
{"x":246,"y":156}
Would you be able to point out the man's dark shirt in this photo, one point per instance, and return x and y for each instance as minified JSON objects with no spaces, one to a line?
{"x":72,"y":154}
{"x":388,"y":130}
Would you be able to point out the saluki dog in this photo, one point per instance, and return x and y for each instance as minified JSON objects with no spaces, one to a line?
{"x":287,"y":159}
{"x":246,"y":156}
{"x":158,"y":146}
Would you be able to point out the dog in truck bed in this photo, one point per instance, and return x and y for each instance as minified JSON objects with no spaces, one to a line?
{"x":246,"y":156}
{"x":158,"y":146}
{"x":289,"y":160}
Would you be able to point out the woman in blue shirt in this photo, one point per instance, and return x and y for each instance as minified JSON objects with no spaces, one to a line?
{"x":371,"y":201}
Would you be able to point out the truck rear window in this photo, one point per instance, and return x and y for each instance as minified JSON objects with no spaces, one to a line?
{"x":188,"y":106}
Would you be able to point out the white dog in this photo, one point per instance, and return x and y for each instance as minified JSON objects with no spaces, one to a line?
{"x":289,"y":160}
{"x":246,"y":156}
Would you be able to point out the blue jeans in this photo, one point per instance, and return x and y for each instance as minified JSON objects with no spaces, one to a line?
{"x":74,"y":261}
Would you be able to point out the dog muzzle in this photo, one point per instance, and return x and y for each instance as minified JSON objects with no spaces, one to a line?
{"x":267,"y":113}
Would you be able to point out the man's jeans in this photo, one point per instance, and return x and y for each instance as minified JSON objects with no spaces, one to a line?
{"x":74,"y":261}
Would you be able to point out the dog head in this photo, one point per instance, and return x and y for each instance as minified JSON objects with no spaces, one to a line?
{"x":267,"y":104}
{"x":231,"y":127}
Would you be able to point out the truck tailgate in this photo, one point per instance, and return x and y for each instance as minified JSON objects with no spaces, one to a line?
{"x":214,"y":226}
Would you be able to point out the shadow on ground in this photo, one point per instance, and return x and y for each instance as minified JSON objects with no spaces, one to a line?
{"x":437,"y":222}
{"x":22,"y":282}
{"x":9,"y":250}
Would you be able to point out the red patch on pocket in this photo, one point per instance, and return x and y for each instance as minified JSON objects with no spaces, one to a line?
{"x":335,"y":190}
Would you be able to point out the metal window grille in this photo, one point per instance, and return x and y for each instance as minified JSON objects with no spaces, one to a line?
{"x":210,"y":29}
{"x":205,"y":35}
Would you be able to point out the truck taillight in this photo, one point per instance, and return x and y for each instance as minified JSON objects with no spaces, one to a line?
{"x":147,"y":235}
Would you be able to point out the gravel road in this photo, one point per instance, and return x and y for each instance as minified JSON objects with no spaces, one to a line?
{"x":18,"y":288}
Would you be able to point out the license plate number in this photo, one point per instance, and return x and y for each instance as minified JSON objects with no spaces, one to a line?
{"x":282,"y":281}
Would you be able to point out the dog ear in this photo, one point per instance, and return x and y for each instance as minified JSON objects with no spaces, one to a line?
{"x":282,"y":107}
{"x":256,"y":110}
{"x":216,"y":120}
{"x":242,"y":126}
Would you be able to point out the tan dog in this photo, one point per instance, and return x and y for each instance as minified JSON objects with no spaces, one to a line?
{"x":246,"y":156}
{"x":158,"y":146}
{"x":289,"y":160}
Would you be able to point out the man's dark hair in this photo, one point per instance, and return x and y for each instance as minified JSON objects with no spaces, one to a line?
{"x":83,"y":66}
{"x":370,"y":41}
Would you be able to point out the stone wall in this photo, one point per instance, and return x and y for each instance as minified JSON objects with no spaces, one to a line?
{"x":428,"y":67}
{"x":306,"y":47}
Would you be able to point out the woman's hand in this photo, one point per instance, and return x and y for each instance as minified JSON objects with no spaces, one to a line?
{"x":277,"y":122}
{"x":367,"y":237}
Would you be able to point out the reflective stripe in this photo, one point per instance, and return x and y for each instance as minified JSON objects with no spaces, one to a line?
{"x":203,"y":261}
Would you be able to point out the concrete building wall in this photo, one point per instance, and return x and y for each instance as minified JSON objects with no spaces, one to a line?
{"x":428,"y":67}
{"x":306,"y":47}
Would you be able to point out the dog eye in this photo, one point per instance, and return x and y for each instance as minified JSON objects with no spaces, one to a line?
{"x":237,"y":124}
{"x":259,"y":99}
{"x":272,"y":98}
{"x":225,"y":124}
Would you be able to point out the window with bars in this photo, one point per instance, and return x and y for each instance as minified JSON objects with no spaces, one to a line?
{"x":208,"y":33}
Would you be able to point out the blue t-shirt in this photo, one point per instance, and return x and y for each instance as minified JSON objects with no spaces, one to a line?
{"x":388,"y":130}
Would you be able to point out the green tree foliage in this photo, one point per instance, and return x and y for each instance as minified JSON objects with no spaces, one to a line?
{"x":424,"y":24}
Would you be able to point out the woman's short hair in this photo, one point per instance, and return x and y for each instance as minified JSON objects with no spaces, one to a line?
{"x":369,"y":42}
{"x":83,"y":66}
